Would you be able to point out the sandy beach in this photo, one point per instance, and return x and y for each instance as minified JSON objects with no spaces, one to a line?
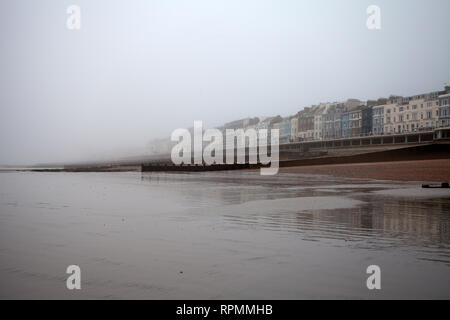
{"x":223,"y":235}
{"x":424,"y":170}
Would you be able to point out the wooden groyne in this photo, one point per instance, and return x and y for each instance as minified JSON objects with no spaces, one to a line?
{"x":155,"y":167}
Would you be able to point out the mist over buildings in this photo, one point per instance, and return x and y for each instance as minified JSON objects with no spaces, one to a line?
{"x":136,"y":70}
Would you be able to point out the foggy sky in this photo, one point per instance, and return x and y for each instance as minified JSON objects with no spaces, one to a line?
{"x":139,"y":69}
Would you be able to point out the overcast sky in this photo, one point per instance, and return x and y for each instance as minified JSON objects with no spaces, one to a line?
{"x":136,"y":70}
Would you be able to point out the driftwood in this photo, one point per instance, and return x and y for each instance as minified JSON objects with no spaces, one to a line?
{"x":444,"y":185}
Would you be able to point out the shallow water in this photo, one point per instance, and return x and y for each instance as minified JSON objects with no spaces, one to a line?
{"x":221,"y":236}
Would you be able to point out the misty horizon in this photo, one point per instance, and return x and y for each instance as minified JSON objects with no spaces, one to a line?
{"x":136,"y":71}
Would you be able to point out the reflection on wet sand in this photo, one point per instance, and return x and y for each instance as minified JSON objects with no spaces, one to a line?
{"x":220,"y":236}
{"x":386,"y":212}
{"x":376,"y":214}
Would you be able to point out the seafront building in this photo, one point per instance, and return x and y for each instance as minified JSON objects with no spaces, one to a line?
{"x":345,"y":123}
{"x":294,"y":128}
{"x":412,"y":114}
{"x":356,"y":121}
{"x":250,"y":124}
{"x":268,"y":124}
{"x":388,"y":116}
{"x":306,"y":123}
{"x":318,"y":120}
{"x":378,"y":120}
{"x":285,"y":130}
{"x":367,"y":121}
{"x":332,"y":121}
{"x":444,"y":109}
{"x":420,"y":113}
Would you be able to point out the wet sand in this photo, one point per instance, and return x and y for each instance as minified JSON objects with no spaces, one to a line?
{"x":423,"y":170}
{"x":223,"y":235}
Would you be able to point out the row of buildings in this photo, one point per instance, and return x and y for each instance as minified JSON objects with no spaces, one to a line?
{"x":352,"y":118}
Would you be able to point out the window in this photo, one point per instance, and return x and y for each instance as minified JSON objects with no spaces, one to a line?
{"x":414,"y":107}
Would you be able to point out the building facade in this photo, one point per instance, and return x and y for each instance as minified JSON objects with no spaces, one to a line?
{"x":355,"y":118}
{"x":345,"y":123}
{"x":332,"y":121}
{"x":367,"y":121}
{"x":412,"y":114}
{"x":306,"y":124}
{"x":378,"y":120}
{"x":444,"y":110}
{"x":390,"y":114}
{"x":285,"y":130}
{"x":294,"y":128}
{"x":318,"y":120}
